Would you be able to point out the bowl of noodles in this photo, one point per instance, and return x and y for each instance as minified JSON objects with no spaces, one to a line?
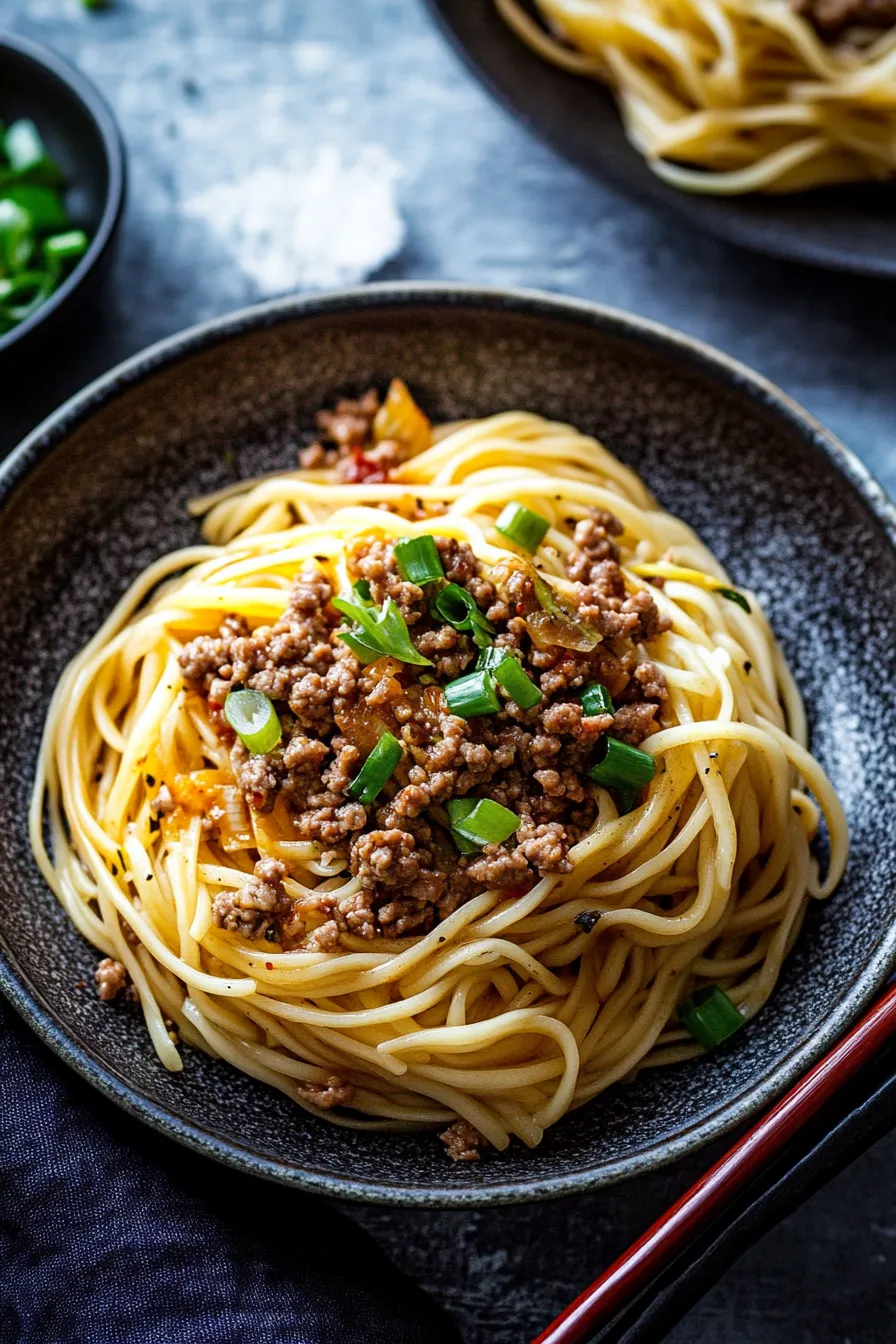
{"x":767,"y":124}
{"x":452,"y":727}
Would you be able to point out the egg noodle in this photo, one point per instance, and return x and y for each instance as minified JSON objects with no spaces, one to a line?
{"x":730,"y":96}
{"x":507,"y":1013}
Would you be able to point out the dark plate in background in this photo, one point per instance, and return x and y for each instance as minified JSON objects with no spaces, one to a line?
{"x":82,"y":137}
{"x":97,"y":492}
{"x":847,"y":229}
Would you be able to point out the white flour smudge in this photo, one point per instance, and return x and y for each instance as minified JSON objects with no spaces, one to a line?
{"x":316,"y":226}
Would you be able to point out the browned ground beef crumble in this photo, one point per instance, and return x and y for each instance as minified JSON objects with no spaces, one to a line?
{"x":111,"y":978}
{"x":333,"y":711}
{"x":345,"y":441}
{"x":832,"y":16}
{"x":463,"y":1141}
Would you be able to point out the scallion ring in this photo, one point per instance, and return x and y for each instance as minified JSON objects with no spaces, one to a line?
{"x":521,"y":526}
{"x":253,"y":718}
{"x":619,"y":766}
{"x":596,"y":699}
{"x":517,"y":683}
{"x":458,"y":809}
{"x":471,"y":696}
{"x":458,"y":607}
{"x":377,"y":769}
{"x":488,"y":823}
{"x":710,"y":1016}
{"x":418,"y":560}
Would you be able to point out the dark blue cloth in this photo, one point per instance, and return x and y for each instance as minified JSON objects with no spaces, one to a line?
{"x":111,"y":1234}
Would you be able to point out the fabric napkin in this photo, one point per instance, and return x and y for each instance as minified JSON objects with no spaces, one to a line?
{"x":111,"y":1234}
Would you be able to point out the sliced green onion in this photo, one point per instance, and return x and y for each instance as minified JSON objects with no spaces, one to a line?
{"x":253,"y":718}
{"x":458,"y":809}
{"x":458,"y":607}
{"x":376,"y":769}
{"x":16,"y":237}
{"x":65,"y":247}
{"x":523,"y":527}
{"x":27,"y":154}
{"x":488,"y":823}
{"x":596,"y":699}
{"x":490,"y":657}
{"x":43,"y":205}
{"x":734,"y":596}
{"x":362,"y":588}
{"x":418,"y":560}
{"x":710,"y":1016}
{"x":472,"y":695}
{"x":620,"y":766}
{"x":383,"y":632}
{"x":518,"y":685}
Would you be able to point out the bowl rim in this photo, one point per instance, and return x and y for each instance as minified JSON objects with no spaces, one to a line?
{"x":388,"y":297}
{"x":103,"y":119}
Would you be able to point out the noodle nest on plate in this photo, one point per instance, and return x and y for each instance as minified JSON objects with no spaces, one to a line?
{"x":642,"y":921}
{"x":725,"y":97}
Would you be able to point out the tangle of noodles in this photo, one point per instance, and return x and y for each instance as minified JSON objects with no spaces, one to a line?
{"x":730,"y":96}
{"x":507,"y":1012}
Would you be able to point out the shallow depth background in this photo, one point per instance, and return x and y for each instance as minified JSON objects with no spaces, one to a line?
{"x":215,"y":91}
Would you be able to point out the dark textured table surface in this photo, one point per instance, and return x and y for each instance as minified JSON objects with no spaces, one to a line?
{"x":292,"y":144}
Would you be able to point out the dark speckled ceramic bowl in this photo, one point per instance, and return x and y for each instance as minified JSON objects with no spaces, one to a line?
{"x":97,"y":492}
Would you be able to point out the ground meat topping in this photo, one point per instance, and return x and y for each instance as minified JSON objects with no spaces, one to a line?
{"x":111,"y":978}
{"x":463,"y":1141}
{"x":261,"y":903}
{"x":832,"y":16}
{"x":334,"y":1092}
{"x":333,"y":710}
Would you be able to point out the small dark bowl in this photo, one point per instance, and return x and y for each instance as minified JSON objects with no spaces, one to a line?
{"x":98,"y":491}
{"x":82,"y":136}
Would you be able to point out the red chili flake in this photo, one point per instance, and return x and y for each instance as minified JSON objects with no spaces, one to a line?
{"x":269,"y":965}
{"x":361,"y":469}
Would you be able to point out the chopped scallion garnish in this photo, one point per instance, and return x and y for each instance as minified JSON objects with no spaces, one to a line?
{"x":253,"y":718}
{"x":418,"y":560}
{"x":488,"y":823}
{"x":458,"y":809}
{"x":710,"y":1016}
{"x":376,"y":769}
{"x":620,"y":766}
{"x":383,"y":633}
{"x":523,"y":527}
{"x":68,"y":246}
{"x":38,"y":246}
{"x":734,"y":596}
{"x":472,"y":695}
{"x":458,"y":607}
{"x":518,"y":685}
{"x":361,"y":588}
{"x":596,"y":699}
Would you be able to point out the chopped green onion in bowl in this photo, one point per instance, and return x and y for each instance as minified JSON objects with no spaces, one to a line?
{"x":253,"y":718}
{"x":38,"y":245}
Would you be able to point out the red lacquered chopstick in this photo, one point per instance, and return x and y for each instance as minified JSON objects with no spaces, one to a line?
{"x":618,"y":1286}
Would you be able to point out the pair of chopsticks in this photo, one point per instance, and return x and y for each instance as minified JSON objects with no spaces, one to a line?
{"x":680,"y":1227}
